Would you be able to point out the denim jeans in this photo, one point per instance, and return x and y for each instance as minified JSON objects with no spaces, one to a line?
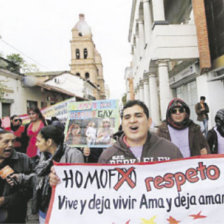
{"x":42,"y":217}
{"x":204,"y":127}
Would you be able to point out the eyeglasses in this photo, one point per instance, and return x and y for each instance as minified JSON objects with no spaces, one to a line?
{"x":177,"y":109}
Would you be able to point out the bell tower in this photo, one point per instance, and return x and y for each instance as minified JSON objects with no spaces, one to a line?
{"x":86,"y":62}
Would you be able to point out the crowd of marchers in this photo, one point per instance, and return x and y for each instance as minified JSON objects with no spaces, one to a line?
{"x":27,"y":152}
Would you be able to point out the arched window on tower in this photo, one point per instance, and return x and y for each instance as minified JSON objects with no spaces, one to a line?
{"x":87,"y":75}
{"x":77,"y":53}
{"x":78,"y":74}
{"x":85,"y":53}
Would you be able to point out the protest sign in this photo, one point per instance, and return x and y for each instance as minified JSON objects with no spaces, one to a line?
{"x":59,"y":110}
{"x":5,"y":122}
{"x":25,"y":118}
{"x":184,"y":191}
{"x":92,"y":123}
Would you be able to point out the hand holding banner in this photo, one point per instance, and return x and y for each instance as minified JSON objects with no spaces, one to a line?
{"x":191,"y":191}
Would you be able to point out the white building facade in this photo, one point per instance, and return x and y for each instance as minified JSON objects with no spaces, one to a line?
{"x":77,"y":85}
{"x":20,"y":93}
{"x":166,"y":58}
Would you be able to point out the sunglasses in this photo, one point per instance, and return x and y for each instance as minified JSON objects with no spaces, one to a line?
{"x":17,"y":120}
{"x":177,"y":109}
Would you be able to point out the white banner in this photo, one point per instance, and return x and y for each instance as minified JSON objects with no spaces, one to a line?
{"x":185,"y":191}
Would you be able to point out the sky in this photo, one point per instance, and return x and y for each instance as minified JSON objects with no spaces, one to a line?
{"x":40,"y":31}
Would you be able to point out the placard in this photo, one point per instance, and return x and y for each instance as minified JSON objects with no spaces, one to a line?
{"x":179,"y":191}
{"x":92,"y":123}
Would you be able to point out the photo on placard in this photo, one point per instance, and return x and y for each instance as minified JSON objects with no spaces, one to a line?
{"x":92,"y":123}
{"x":76,"y":133}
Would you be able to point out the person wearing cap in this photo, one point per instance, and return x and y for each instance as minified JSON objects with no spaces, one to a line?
{"x":182,"y":131}
{"x":215,"y":136}
{"x":202,"y":111}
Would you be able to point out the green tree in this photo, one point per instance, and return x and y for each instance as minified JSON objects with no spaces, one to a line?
{"x":20,"y":64}
{"x":16,"y":62}
{"x":16,"y":59}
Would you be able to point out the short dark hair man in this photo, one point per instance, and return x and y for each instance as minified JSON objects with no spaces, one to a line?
{"x":19,"y":131}
{"x":202,"y":110}
{"x":13,"y":199}
{"x":137,"y":144}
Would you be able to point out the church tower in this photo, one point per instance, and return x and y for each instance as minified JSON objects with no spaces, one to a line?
{"x":86,"y":62}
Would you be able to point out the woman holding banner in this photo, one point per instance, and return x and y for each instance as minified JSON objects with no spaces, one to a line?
{"x":50,"y":142}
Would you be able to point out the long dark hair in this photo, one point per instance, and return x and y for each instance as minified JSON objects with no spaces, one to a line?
{"x":37,"y":111}
{"x":54,"y":133}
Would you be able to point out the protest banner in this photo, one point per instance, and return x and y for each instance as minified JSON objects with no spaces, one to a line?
{"x":179,"y":191}
{"x":25,"y":119}
{"x":92,"y":123}
{"x":59,"y":110}
{"x":5,"y":122}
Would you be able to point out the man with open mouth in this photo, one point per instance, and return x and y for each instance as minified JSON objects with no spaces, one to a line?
{"x":137,"y":144}
{"x":13,"y":197}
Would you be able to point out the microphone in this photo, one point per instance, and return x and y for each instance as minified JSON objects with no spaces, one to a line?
{"x":6,"y":172}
